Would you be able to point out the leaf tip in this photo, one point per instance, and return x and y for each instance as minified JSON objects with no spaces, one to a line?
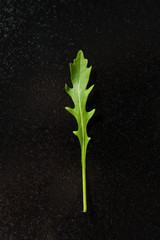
{"x":75,"y":132}
{"x":67,"y":89}
{"x":66,"y":86}
{"x":80,"y":52}
{"x":80,"y":55}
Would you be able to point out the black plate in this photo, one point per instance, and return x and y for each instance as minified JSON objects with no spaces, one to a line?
{"x":40,"y":166}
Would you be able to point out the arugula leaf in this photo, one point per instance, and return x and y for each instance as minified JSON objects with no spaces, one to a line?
{"x":80,"y":74}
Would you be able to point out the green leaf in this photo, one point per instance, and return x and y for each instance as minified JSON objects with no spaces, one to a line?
{"x":80,"y":74}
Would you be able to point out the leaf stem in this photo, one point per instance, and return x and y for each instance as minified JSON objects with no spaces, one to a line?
{"x":84,"y":179}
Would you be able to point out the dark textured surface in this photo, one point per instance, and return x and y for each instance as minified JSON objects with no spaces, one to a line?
{"x":40,"y":170}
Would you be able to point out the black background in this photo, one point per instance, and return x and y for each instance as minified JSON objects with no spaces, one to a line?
{"x":40,"y":167}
